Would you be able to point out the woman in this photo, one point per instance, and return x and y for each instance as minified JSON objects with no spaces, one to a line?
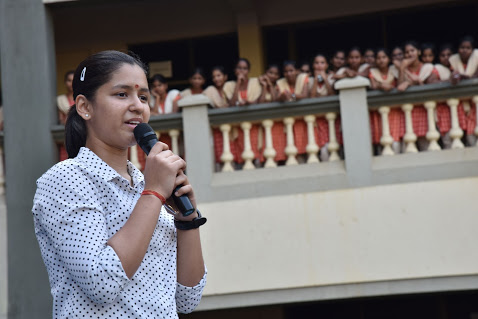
{"x":428,"y":53}
{"x":294,"y":85}
{"x":414,"y":72}
{"x":268,"y":82}
{"x":397,"y":58}
{"x":244,"y":90}
{"x":465,"y":66}
{"x":65,"y":101}
{"x":337,"y":61}
{"x":465,"y":62}
{"x":216,"y":92}
{"x":110,"y":248}
{"x":321,"y":83}
{"x":196,"y":82}
{"x":444,"y":67}
{"x":354,"y":67}
{"x":382,"y":78}
{"x":162,"y":101}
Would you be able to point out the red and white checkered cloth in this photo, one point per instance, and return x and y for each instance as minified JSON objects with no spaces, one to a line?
{"x":279,"y":140}
{"x":443,"y":117}
{"x":375,"y":126}
{"x":419,"y":120}
{"x":396,"y":120}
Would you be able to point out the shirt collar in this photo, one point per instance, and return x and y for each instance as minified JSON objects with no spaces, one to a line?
{"x":98,"y":166}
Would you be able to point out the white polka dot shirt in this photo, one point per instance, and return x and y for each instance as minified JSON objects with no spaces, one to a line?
{"x":79,"y":204}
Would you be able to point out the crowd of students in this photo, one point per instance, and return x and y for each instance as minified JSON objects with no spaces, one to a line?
{"x":408,"y":65}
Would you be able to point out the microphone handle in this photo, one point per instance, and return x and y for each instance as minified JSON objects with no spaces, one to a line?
{"x":183,"y":203}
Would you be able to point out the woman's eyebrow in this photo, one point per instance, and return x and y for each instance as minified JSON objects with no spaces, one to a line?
{"x":129,"y":87}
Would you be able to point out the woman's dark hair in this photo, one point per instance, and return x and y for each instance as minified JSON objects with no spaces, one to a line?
{"x":219,"y":68}
{"x":158,"y":77}
{"x":355,"y":49}
{"x":338,"y":51}
{"x":382,"y":50}
{"x":414,"y":44}
{"x":67,"y":74}
{"x":290,"y":62}
{"x":90,"y":75}
{"x":467,"y":38}
{"x":430,"y":46}
{"x":273,"y":65}
{"x":446,"y":46}
{"x":244,"y":60}
{"x":320,"y":54}
{"x":199,"y":71}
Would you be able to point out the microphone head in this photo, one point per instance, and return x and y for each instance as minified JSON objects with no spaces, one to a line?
{"x":143,"y":133}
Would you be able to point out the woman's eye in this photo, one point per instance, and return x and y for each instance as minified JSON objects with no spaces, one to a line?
{"x":144,"y":98}
{"x":121,"y":94}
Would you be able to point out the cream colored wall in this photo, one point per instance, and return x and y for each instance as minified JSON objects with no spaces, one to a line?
{"x":399,"y":231}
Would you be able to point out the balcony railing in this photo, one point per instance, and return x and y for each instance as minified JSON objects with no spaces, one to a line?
{"x":315,"y":133}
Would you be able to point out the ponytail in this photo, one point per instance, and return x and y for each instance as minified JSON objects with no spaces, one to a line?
{"x":75,"y":132}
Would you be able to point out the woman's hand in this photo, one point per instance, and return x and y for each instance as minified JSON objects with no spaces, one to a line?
{"x":162,"y":169}
{"x":262,"y":80}
{"x":187,"y":189}
{"x":413,"y":78}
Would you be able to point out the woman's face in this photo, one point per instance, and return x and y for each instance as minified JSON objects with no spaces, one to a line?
{"x":338,"y":60}
{"x":242,"y":68}
{"x":69,"y":82}
{"x":305,"y":68}
{"x":428,"y":56}
{"x":320,"y":64}
{"x":382,"y":60}
{"x":290,"y":73}
{"x":354,"y":59}
{"x":444,"y":57}
{"x":397,"y":54}
{"x":411,"y":52}
{"x":197,"y":81}
{"x":465,"y":50}
{"x":218,"y":78}
{"x":118,"y":106}
{"x":159,"y":88}
{"x":273,"y":74}
{"x":369,"y":57}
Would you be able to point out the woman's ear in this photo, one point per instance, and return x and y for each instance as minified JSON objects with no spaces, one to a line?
{"x":83,"y":107}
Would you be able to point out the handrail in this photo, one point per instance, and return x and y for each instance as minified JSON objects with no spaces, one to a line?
{"x":259,"y":112}
{"x":417,"y":94}
{"x":414,"y":94}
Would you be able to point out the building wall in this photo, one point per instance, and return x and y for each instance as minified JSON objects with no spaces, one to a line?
{"x":3,"y":259}
{"x":81,"y":29}
{"x":372,"y":234}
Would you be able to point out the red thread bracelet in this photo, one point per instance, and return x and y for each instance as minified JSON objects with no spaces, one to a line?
{"x":158,"y":195}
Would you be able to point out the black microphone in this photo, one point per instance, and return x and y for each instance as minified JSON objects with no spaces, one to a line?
{"x":146,"y":138}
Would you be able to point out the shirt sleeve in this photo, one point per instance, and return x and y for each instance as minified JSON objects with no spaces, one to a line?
{"x":68,"y":207}
{"x":188,"y":298}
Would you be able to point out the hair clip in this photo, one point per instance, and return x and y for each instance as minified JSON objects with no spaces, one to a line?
{"x":82,"y":76}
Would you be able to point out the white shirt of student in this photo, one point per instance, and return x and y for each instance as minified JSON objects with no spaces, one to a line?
{"x":79,"y":204}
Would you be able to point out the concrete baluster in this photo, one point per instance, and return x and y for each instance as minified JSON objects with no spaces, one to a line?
{"x":410,"y":137}
{"x":333,"y":146}
{"x":386,"y":140}
{"x":226,"y":156}
{"x":174,"y":141}
{"x":456,"y":133}
{"x":247,"y":154}
{"x":269,"y":151}
{"x":291,"y":149}
{"x":475,"y":100}
{"x":432,"y":135}
{"x":312,"y":148}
